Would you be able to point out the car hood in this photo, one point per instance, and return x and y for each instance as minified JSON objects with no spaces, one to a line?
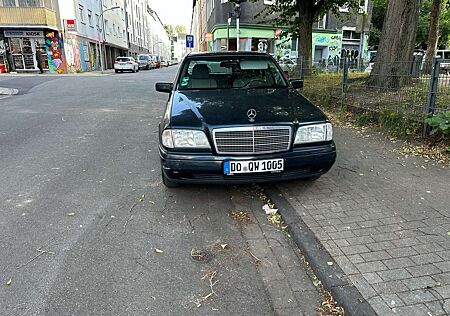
{"x":196,"y":108}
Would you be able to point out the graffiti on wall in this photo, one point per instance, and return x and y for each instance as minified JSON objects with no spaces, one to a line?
{"x":330,"y":40}
{"x":80,"y":55}
{"x":54,"y":49}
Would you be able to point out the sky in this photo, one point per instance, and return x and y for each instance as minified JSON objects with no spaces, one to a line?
{"x":173,"y":11}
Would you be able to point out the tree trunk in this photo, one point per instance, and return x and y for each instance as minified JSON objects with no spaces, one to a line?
{"x":433,"y":34}
{"x":306,"y":17}
{"x":394,"y":62}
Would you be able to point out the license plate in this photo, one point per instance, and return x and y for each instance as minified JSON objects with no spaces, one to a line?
{"x":253,"y":166}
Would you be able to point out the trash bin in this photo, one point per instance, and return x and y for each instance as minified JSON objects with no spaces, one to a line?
{"x":2,"y":68}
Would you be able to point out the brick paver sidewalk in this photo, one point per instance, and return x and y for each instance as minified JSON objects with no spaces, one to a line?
{"x":385,"y":219}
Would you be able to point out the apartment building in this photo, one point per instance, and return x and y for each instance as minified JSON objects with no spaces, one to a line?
{"x":115,"y":30}
{"x":159,"y":40}
{"x":331,"y":34}
{"x":138,"y":28}
{"x":29,"y":26}
{"x":70,"y":34}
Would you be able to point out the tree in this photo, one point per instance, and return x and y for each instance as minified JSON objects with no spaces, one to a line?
{"x":378,"y":14}
{"x":299,"y":16}
{"x":432,"y":34}
{"x":398,"y":37}
{"x":169,"y":29}
{"x":180,"y":29}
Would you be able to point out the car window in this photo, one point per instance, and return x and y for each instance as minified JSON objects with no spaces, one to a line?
{"x":447,"y":55}
{"x":143,"y":57}
{"x":123,"y":59}
{"x":230,"y":72}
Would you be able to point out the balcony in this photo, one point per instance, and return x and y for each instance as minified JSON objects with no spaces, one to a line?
{"x":31,"y":16}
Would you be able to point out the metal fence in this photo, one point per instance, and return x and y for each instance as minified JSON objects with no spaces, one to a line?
{"x":407,"y":88}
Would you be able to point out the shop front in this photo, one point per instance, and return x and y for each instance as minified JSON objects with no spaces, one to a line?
{"x":23,"y":45}
{"x":252,"y":38}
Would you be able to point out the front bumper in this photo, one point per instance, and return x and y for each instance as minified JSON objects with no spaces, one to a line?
{"x":301,"y":162}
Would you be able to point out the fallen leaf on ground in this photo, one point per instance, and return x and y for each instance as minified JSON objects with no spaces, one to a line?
{"x":70,"y":214}
{"x":9,"y":282}
{"x":224,"y":246}
{"x":157,"y":250}
{"x":330,"y":263}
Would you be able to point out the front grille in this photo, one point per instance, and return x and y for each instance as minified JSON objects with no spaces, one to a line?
{"x":252,"y":140}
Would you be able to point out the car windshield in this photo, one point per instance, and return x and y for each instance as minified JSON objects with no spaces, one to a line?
{"x":143,"y":57}
{"x":123,"y":59}
{"x":231,"y":72}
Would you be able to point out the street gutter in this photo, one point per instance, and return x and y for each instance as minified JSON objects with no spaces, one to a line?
{"x":332,"y":276}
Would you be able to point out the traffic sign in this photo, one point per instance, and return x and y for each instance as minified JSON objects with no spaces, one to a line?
{"x":71,"y":25}
{"x":189,"y":41}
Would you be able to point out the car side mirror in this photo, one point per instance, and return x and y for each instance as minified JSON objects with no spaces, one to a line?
{"x":166,"y":87}
{"x":296,"y":83}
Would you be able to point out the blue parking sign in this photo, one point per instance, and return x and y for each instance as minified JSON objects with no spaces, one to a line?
{"x":189,"y":41}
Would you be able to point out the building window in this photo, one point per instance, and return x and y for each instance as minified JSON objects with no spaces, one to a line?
{"x":9,"y":3}
{"x":81,"y":12}
{"x":349,"y":34}
{"x":90,"y":18}
{"x":97,"y":21}
{"x":107,"y":30}
{"x":321,"y":22}
{"x":29,"y":3}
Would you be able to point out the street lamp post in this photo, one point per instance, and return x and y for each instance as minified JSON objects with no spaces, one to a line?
{"x":237,"y":9}
{"x":103,"y":36}
{"x":153,"y":48}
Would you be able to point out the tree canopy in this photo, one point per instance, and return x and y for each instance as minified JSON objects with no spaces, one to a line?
{"x":379,"y":12}
{"x":299,"y":16}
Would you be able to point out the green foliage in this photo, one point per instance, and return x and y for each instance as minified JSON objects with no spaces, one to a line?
{"x":379,"y":12}
{"x":440,"y":123}
{"x":291,"y":12}
{"x":363,"y":119}
{"x":398,"y":123}
{"x":424,"y":24}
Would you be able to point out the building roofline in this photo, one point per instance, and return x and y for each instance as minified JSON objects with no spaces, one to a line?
{"x":225,"y":53}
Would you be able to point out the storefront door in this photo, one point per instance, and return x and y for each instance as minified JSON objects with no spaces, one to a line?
{"x":24,"y":52}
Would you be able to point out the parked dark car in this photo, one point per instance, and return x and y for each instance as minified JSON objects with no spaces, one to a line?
{"x":234,"y":117}
{"x":145,"y":62}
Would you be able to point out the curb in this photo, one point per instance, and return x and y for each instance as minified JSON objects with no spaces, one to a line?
{"x":332,"y":277}
{"x":8,"y":91}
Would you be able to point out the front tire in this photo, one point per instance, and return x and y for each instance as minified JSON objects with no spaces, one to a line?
{"x":133,"y":70}
{"x":116,"y":71}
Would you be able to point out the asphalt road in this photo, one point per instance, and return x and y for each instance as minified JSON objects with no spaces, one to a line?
{"x":83,"y":209}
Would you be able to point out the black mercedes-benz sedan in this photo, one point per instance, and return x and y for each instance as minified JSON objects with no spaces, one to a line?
{"x":234,"y":117}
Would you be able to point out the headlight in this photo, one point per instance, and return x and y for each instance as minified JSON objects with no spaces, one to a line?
{"x":314,"y":133}
{"x":183,"y":138}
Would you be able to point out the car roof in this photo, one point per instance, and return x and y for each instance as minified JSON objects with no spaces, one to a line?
{"x":235,"y":54}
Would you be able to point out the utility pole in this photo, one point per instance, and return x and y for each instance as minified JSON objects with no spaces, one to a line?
{"x":103,"y":37}
{"x":237,"y":9}
{"x":228,"y":31}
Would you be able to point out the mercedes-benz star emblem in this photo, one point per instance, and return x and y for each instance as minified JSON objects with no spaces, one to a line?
{"x":251,"y":115}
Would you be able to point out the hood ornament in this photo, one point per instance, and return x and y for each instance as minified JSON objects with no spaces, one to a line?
{"x":251,"y":115}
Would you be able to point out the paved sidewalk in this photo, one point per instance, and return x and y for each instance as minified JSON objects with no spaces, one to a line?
{"x":385,"y":219}
{"x":287,"y":281}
